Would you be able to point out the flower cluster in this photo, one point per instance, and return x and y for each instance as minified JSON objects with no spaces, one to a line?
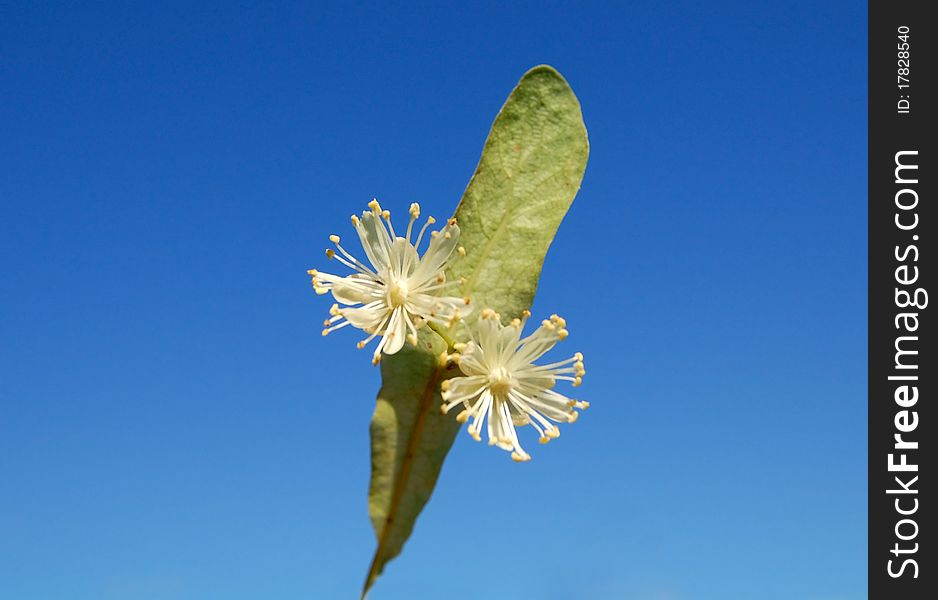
{"x":502,"y":388}
{"x":398,"y":291}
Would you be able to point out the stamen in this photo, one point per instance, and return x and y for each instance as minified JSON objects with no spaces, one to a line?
{"x":430,"y":221}
{"x":414,"y":213}
{"x":355,"y":264}
{"x":329,"y":330}
{"x":386,"y":215}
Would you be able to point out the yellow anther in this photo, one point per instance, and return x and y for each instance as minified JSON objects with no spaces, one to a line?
{"x":431,"y":220}
{"x":562,"y":334}
{"x":461,"y":251}
{"x":334,"y":239}
{"x":552,"y":433}
{"x":462,"y":417}
{"x":526,"y":313}
{"x":360,"y":345}
{"x":355,"y":220}
{"x":578,"y":356}
{"x":577,"y":381}
{"x":573,"y":417}
{"x":520,"y":457}
{"x":466,"y":300}
{"x":374,"y":206}
{"x":447,"y":235}
{"x":312,"y":272}
{"x":376,"y":358}
{"x":516,"y":323}
{"x":459,"y":346}
{"x":584,"y":405}
{"x":488,"y":313}
{"x":414,"y":210}
{"x":452,"y":222}
{"x":325,"y":332}
{"x":330,"y":253}
{"x":334,"y":310}
{"x":412,"y":339}
{"x":320,"y":290}
{"x":543,"y":439}
{"x":445,"y":385}
{"x":386,"y":215}
{"x":325,"y":323}
{"x":441,"y":278}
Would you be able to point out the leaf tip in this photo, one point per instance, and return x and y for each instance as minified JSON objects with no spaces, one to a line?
{"x":543,"y":70}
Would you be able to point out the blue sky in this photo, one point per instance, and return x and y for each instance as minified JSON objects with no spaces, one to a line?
{"x":173,"y":426}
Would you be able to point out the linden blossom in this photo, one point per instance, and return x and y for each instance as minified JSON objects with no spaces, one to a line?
{"x":398,"y":293}
{"x":502,"y":387}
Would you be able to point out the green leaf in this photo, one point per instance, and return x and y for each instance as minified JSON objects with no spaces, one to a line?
{"x":409,"y":440}
{"x":530,"y":171}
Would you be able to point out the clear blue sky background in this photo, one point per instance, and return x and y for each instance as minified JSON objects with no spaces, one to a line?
{"x":172,"y":425}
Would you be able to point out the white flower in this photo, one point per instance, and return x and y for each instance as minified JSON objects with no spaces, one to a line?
{"x":399,"y":292}
{"x":502,"y":386}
